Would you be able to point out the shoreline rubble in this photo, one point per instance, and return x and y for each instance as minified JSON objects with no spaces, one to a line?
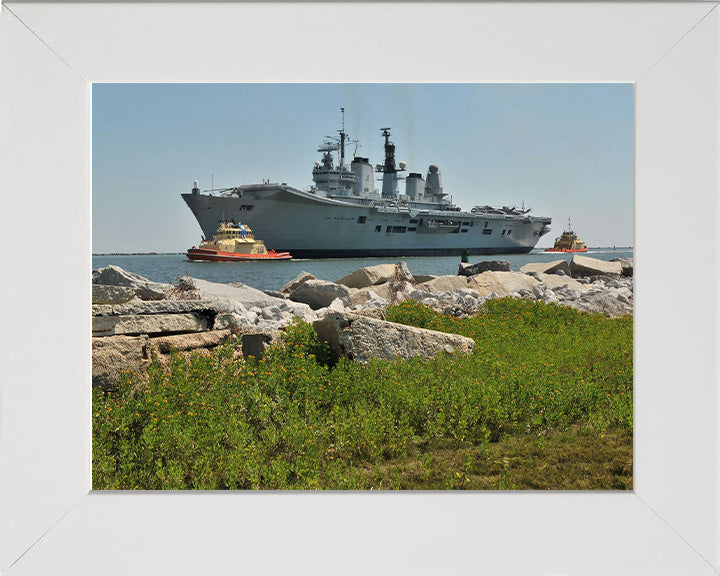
{"x":134,"y":318}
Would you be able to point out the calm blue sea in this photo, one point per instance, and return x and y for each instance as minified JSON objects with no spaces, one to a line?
{"x":274,"y":275}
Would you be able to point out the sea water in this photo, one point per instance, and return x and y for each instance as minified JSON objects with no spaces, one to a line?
{"x":274,"y":275}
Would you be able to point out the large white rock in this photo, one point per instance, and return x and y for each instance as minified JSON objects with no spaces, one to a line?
{"x":245,"y":295}
{"x":554,"y":281}
{"x":446,"y":284}
{"x":546,"y":267}
{"x":148,"y":324}
{"x":135,"y":307}
{"x":111,"y":294}
{"x":586,"y":266}
{"x":320,"y":293}
{"x":359,"y":296}
{"x":115,"y":276}
{"x":501,"y":283}
{"x":295,"y":283}
{"x":361,"y":338}
{"x":369,"y":276}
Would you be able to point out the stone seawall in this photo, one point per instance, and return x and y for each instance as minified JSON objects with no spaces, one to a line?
{"x":134,"y":318}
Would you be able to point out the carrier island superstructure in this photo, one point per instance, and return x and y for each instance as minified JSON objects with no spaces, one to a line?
{"x":343,"y":215}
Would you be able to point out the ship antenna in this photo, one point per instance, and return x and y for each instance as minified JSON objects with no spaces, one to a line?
{"x":342,"y":140}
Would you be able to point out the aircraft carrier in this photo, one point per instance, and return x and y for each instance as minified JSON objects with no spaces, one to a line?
{"x":343,"y":215}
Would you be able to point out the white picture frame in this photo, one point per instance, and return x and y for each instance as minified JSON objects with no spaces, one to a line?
{"x":50,"y":521}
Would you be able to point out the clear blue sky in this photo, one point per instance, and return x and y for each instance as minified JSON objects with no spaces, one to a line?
{"x":566,"y":150}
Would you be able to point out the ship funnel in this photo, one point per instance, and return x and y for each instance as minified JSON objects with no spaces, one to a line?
{"x":363,"y":171}
{"x":414,"y":186}
{"x":434,"y":186}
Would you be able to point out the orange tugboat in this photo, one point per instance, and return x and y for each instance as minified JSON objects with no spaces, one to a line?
{"x":234,"y":243}
{"x":568,"y":241}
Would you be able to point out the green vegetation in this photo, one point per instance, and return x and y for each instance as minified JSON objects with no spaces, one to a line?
{"x":545,"y":401}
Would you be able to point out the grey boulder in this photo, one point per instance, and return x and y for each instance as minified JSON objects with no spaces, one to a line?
{"x":445,"y":283}
{"x":320,"y":293}
{"x":586,"y":266}
{"x":245,"y":295}
{"x":359,"y":296}
{"x":115,"y":276}
{"x":553,"y":281}
{"x":111,"y":294}
{"x":148,"y":324}
{"x":626,"y":264}
{"x":500,"y":283}
{"x":362,"y":338}
{"x":295,"y":283}
{"x":369,"y":276}
{"x":136,"y":307}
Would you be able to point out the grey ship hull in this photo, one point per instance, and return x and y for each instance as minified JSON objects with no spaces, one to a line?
{"x":312,"y":226}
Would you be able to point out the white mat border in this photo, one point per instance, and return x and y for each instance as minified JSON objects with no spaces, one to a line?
{"x":45,"y":472}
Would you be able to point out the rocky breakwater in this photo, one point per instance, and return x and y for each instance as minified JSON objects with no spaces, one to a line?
{"x":132,"y":316}
{"x":598,"y":286}
{"x":134,"y":319}
{"x":584,"y":283}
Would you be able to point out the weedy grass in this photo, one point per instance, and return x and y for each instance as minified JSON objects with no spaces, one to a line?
{"x":545,"y":401}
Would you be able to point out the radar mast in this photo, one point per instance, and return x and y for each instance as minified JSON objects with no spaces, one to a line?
{"x":389,"y":189}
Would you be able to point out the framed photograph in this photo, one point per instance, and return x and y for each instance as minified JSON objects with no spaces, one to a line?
{"x":51,"y":520}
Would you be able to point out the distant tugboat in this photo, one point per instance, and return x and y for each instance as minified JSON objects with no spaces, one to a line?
{"x":234,"y":243}
{"x":568,"y":241}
